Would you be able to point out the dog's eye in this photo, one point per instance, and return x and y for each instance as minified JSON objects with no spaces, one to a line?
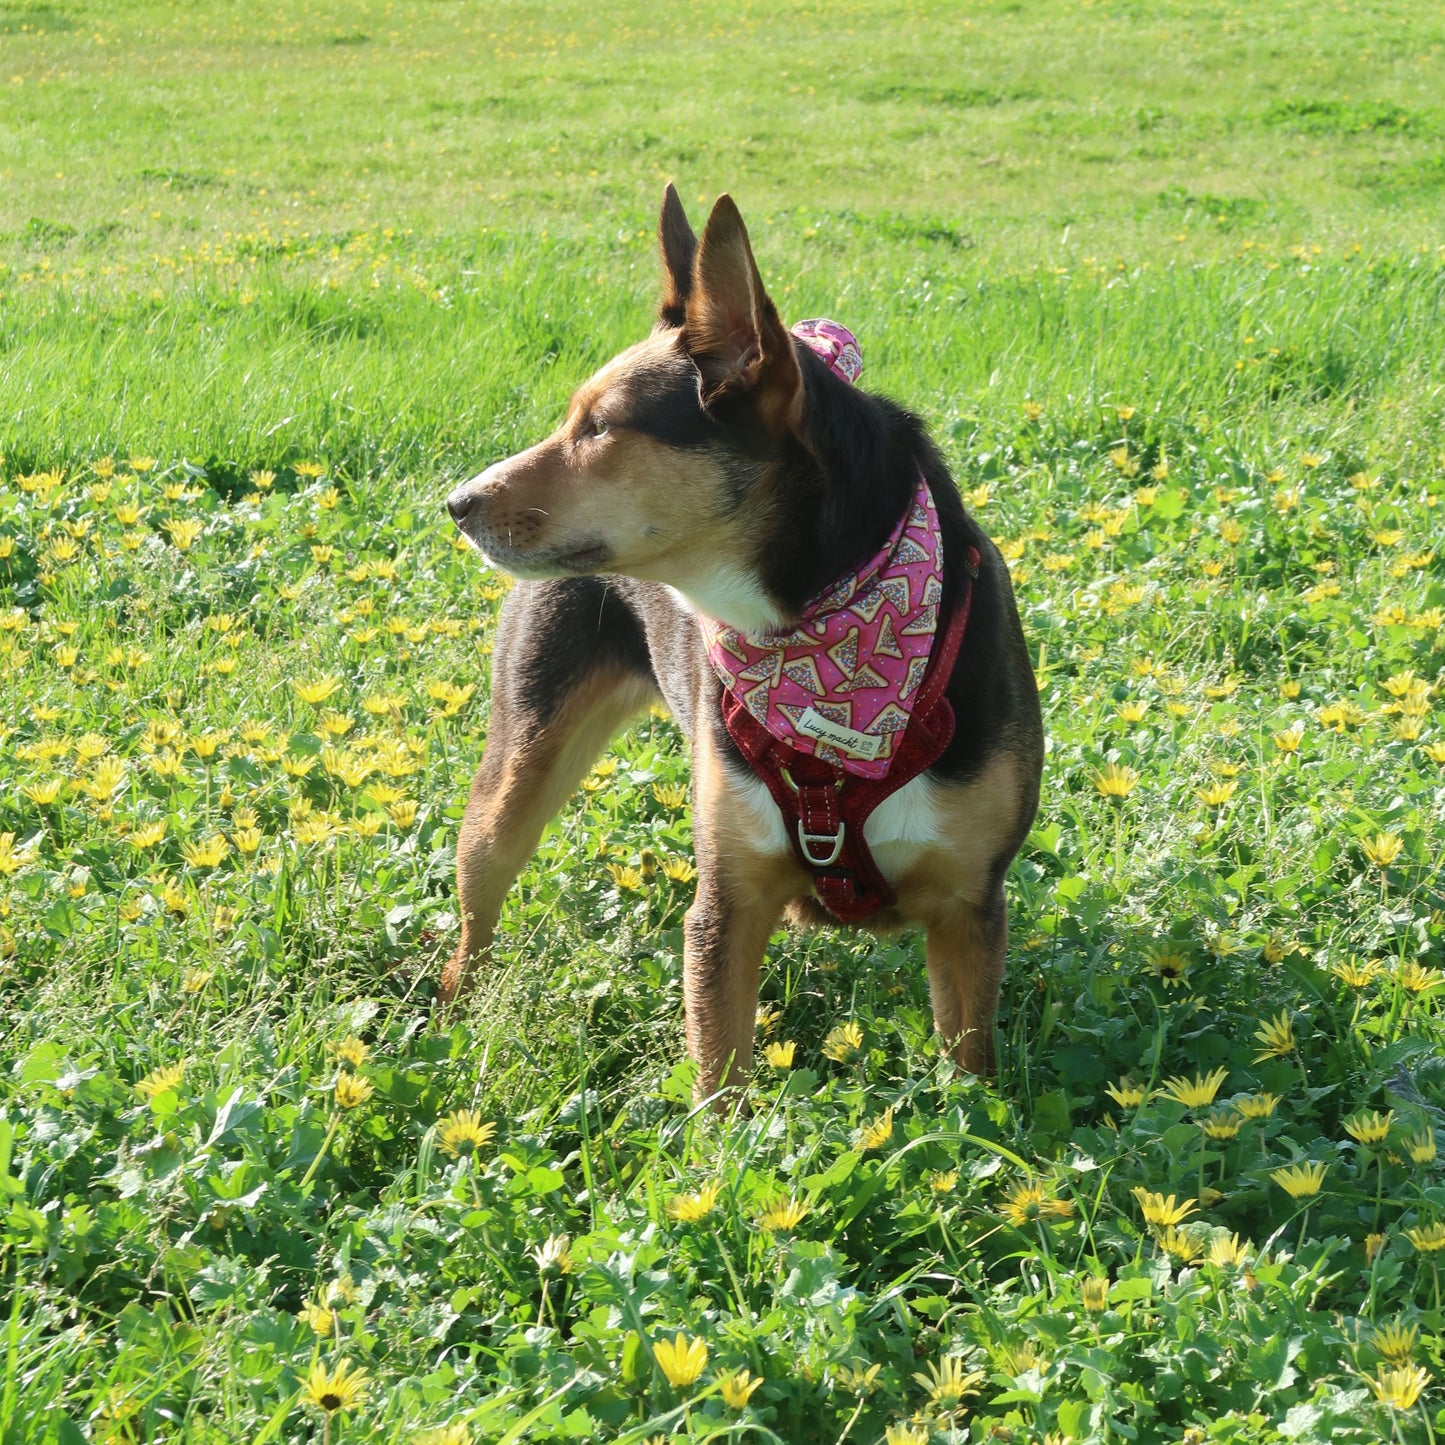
{"x":596,"y":426}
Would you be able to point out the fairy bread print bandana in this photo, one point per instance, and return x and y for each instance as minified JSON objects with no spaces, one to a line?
{"x":841,"y":683}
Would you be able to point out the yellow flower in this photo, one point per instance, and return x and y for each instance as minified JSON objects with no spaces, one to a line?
{"x":1126,"y":1093}
{"x":317,"y":691}
{"x":1169,"y":965}
{"x":944,"y":1181}
{"x":1094,"y":1293}
{"x":876,"y":1132}
{"x":902,"y":1432}
{"x":43,"y":794}
{"x":457,"y":1434}
{"x":1300,"y":1181}
{"x":319,"y":1317}
{"x":1227,"y":1253}
{"x":1257,"y":1106}
{"x":1371,"y":1128}
{"x":1382,"y":849}
{"x":1421,"y":1146}
{"x":1289,"y":740}
{"x":680,"y":1359}
{"x":679,"y":870}
{"x":1216,"y":795}
{"x":1032,"y":410}
{"x":1182,"y":1246}
{"x":353,"y":1051}
{"x":1396,"y":1342}
{"x":627,"y":877}
{"x":464,"y":1132}
{"x":554,"y":1255}
{"x":1221,"y":1124}
{"x":1373,"y":1242}
{"x":1415,"y":978}
{"x":1116,"y":780}
{"x":689,"y":1208}
{"x":183,"y":532}
{"x":1160,"y":1210}
{"x":780,"y":1055}
{"x":1428,"y":1239}
{"x":12,"y":859}
{"x":208,"y":854}
{"x":1024,"y":1204}
{"x":352,"y":1091}
{"x":738,"y":1389}
{"x":160,"y":1080}
{"x":1355,"y":975}
{"x":1195,"y":1093}
{"x":784,"y":1216}
{"x":1132,"y":712}
{"x":1399,"y":1389}
{"x":341,"y":1388}
{"x":844,"y":1043}
{"x":948,"y":1381}
{"x":1275,"y":1037}
{"x":248,"y":840}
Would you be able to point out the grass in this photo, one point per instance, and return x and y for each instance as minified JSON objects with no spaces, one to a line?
{"x":303,"y":267}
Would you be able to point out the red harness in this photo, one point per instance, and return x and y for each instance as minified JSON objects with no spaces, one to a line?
{"x":824,"y":808}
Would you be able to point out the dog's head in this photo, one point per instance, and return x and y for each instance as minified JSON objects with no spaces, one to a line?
{"x":660,"y":469}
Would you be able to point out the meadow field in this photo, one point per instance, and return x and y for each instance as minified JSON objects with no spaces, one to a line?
{"x":1167,"y":280}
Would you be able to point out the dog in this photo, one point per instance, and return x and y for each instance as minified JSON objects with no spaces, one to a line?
{"x":720,"y":520}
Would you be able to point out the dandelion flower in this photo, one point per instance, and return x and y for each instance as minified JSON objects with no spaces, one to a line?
{"x":330,"y":1390}
{"x":779,"y":1054}
{"x":352,"y":1092}
{"x":456,"y":1434}
{"x":319,"y":1317}
{"x":1182,"y":1246}
{"x":678,"y":870}
{"x":1396,"y":1342}
{"x":1227,"y":1253}
{"x":784,"y":1216}
{"x":943,"y":1181}
{"x":1382,"y":849}
{"x":905,"y":1432}
{"x":1355,"y":975}
{"x":689,"y":1208}
{"x":464,"y":1133}
{"x":1370,"y":1128}
{"x":948,"y":1380}
{"x":1222,"y":1124}
{"x":209,"y":853}
{"x":844,"y":1043}
{"x":1428,"y":1238}
{"x":1198,"y":1092}
{"x":1399,"y":1389}
{"x":554,"y":1255}
{"x":1300,"y":1181}
{"x":876,"y":1132}
{"x":670,"y":795}
{"x":1126,"y":1093}
{"x":680,"y":1359}
{"x":1275,"y":1038}
{"x":159,"y":1080}
{"x":352,"y":1051}
{"x":316,"y":691}
{"x":738,"y":1389}
{"x":1415,"y":978}
{"x":1094,"y":1293}
{"x":1421,"y":1146}
{"x":1116,"y":780}
{"x":1160,"y":1210}
{"x":1256,"y":1106}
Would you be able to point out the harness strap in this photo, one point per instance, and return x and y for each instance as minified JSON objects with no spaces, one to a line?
{"x":824,"y":808}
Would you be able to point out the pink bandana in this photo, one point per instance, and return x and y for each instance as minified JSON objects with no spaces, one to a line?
{"x":842,"y":683}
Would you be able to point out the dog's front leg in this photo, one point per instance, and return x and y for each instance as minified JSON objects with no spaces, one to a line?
{"x":966,"y":948}
{"x":726,"y":936}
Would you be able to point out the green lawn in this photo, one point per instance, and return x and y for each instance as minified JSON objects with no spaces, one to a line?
{"x":1168,"y":281}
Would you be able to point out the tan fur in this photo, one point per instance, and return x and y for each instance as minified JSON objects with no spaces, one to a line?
{"x":523,"y":780}
{"x":740,"y":897}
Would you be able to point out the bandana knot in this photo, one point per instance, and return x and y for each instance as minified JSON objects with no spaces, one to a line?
{"x":835,"y":344}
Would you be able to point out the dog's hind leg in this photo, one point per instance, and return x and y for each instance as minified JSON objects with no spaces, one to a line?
{"x":965,"y":969}
{"x":570,"y":668}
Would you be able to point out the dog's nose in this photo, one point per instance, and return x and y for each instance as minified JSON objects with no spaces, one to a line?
{"x":459,"y":504}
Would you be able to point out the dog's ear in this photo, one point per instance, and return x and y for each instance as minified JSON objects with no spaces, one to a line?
{"x":679,"y":249}
{"x":732,"y":330}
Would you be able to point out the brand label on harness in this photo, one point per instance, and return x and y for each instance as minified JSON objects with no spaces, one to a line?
{"x":815,"y":725}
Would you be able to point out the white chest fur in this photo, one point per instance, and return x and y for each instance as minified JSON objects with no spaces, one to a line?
{"x":897,"y":830}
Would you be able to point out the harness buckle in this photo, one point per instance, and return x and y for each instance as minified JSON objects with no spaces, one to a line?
{"x":807,"y":840}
